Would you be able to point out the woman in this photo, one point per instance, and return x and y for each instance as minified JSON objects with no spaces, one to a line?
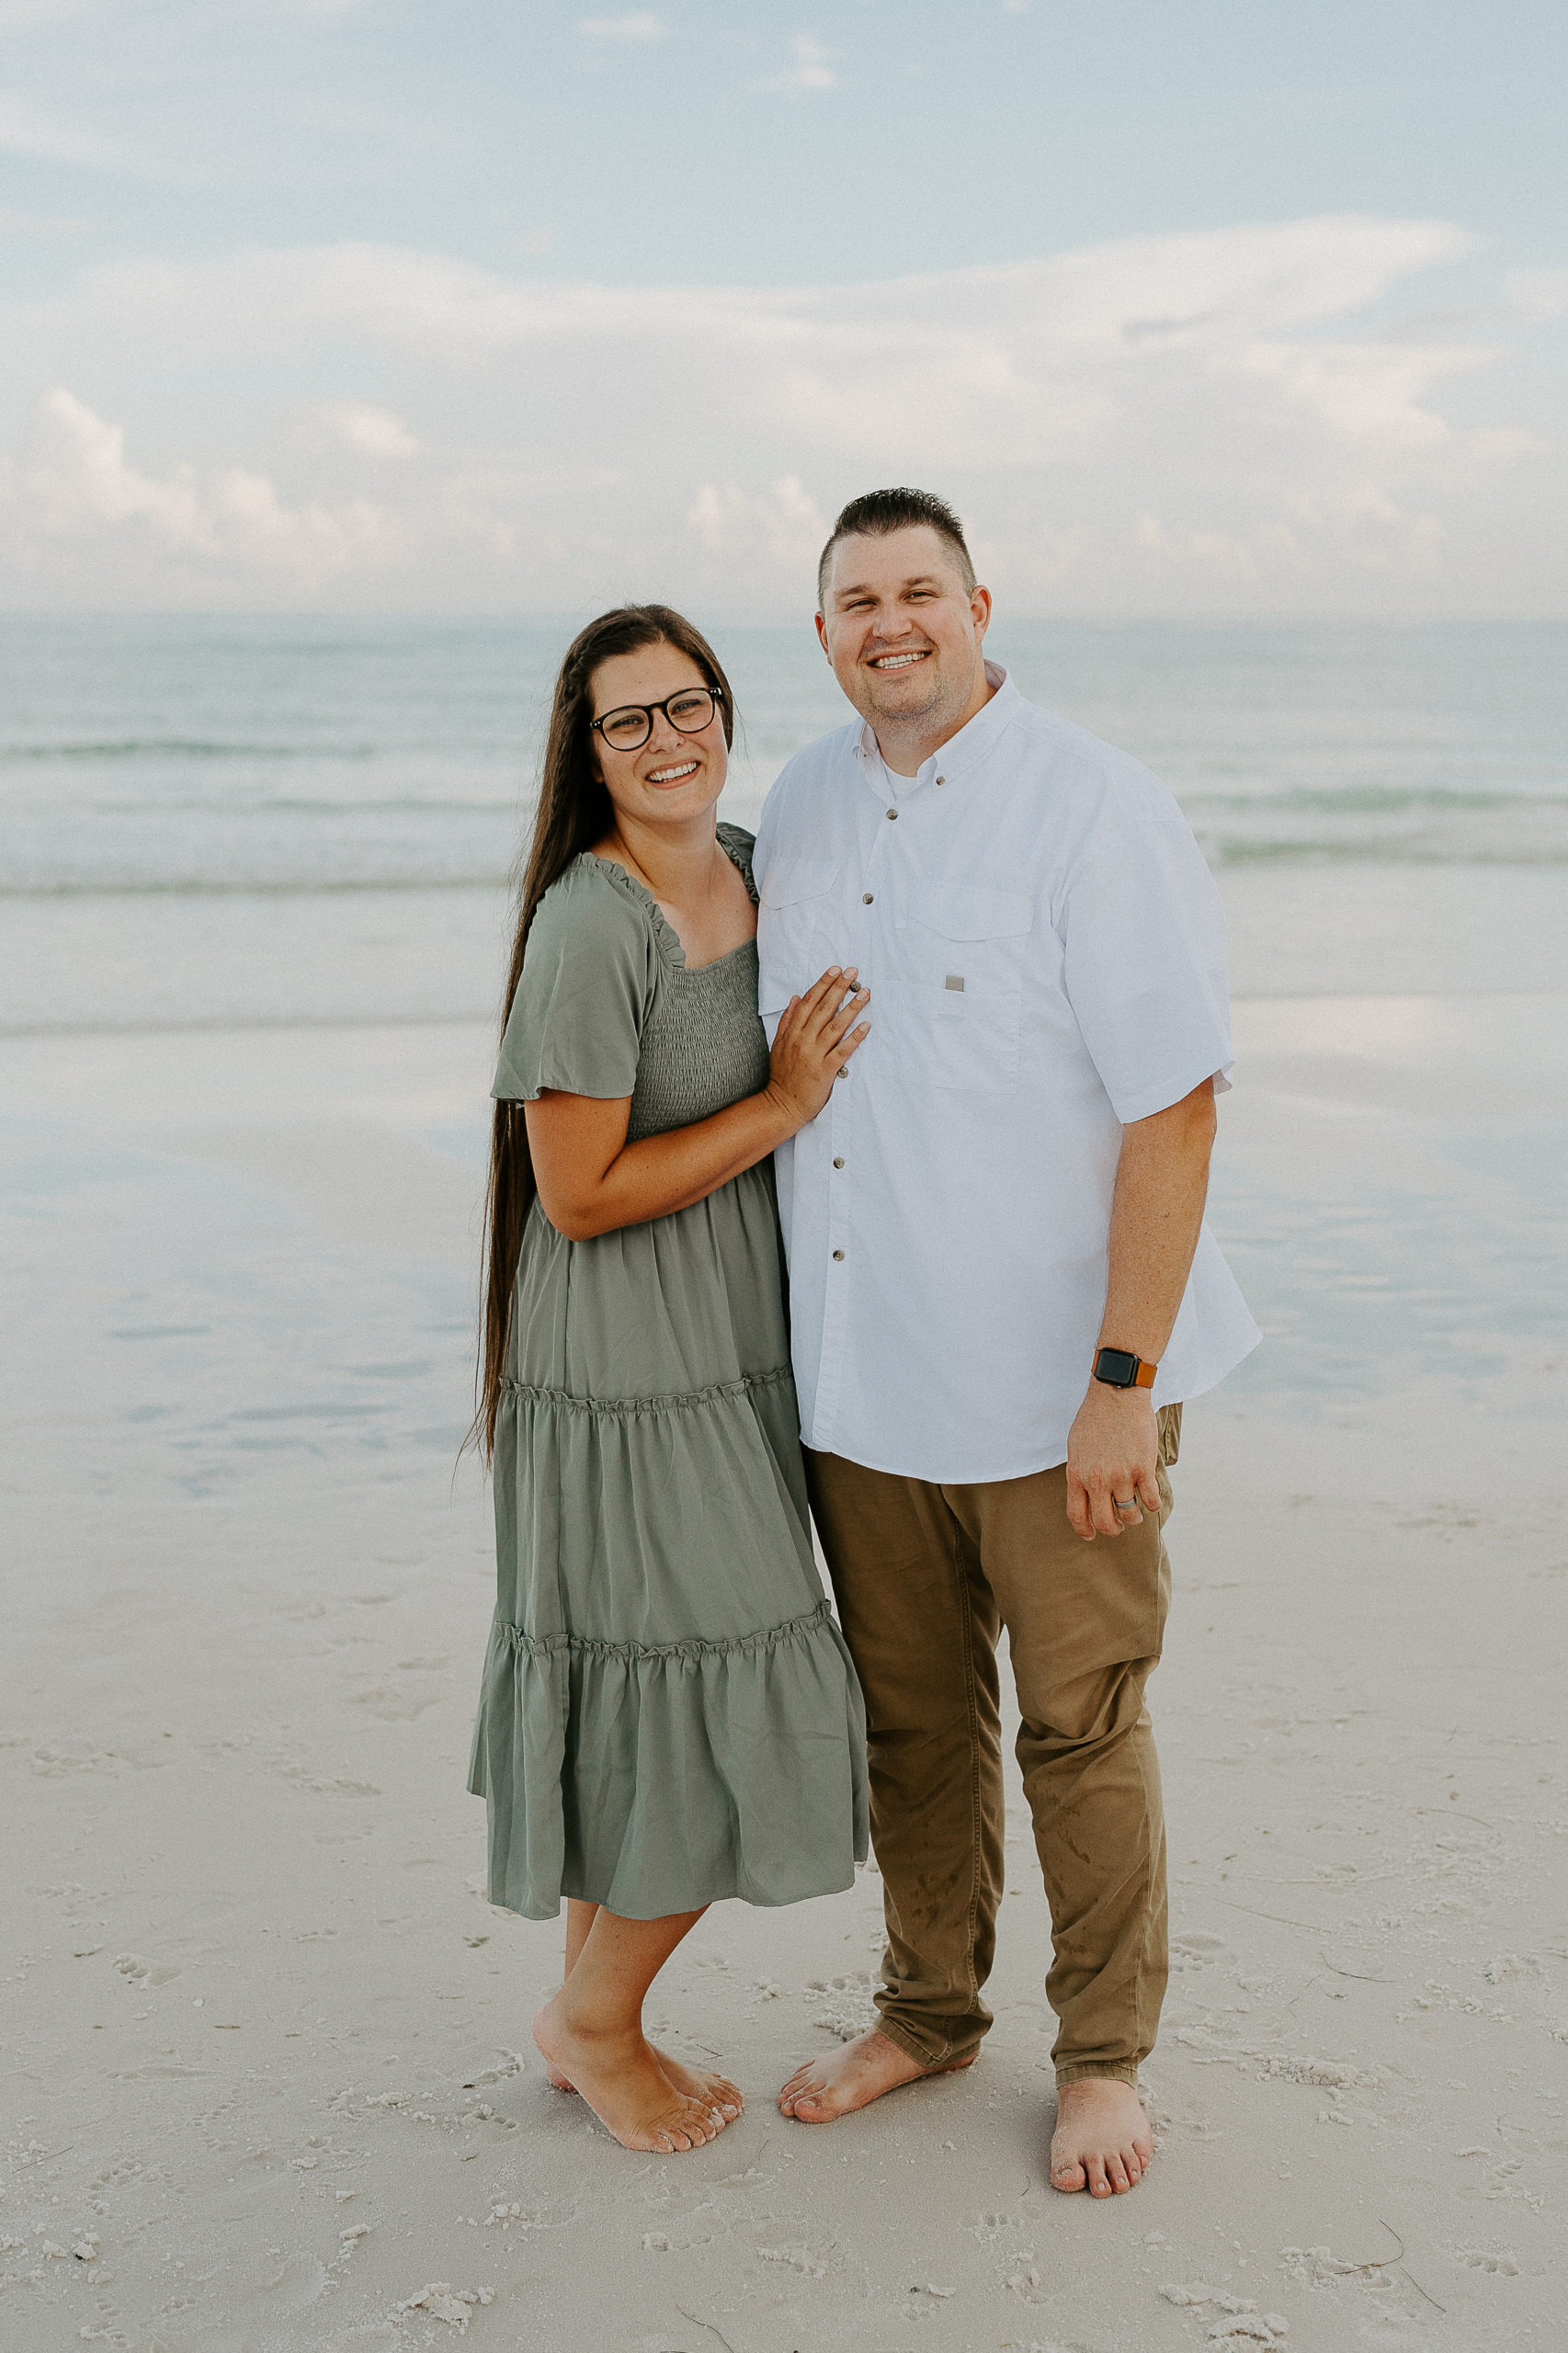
{"x":669,"y":1715}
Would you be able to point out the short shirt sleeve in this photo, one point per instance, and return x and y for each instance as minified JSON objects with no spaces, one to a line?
{"x":576,"y":1020}
{"x":1144,"y":969}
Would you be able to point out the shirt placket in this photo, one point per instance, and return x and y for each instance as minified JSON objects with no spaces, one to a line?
{"x":845,"y":1238}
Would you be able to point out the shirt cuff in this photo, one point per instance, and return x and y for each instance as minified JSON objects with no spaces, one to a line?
{"x":1164,"y":1092}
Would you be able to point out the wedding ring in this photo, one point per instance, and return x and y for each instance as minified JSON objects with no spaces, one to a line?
{"x":1131,"y":1505}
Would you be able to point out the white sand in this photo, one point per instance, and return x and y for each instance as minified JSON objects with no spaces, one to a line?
{"x":270,"y":2081}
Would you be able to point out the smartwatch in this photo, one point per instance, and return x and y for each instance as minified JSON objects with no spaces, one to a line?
{"x":1118,"y":1368}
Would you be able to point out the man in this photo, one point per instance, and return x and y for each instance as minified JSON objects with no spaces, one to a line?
{"x":1001,"y":1291}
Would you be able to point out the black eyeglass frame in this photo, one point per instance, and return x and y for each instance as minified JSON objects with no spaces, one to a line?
{"x":715,"y":699}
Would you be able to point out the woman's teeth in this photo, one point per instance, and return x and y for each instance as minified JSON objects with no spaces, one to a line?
{"x":672,"y":775}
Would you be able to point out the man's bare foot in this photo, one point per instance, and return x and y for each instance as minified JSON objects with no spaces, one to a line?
{"x":709,"y":2091}
{"x":852,"y":2076}
{"x":620,"y":2078}
{"x":1102,"y":2141}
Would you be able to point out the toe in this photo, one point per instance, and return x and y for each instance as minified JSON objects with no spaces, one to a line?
{"x":1116,"y":2174}
{"x":1098,"y":2185}
{"x":1068,"y":2177}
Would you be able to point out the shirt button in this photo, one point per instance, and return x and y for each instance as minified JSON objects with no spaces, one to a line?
{"x":838,"y":1253}
{"x":866,"y":897}
{"x":838,"y":1164}
{"x":941,"y":779}
{"x":892,"y":813}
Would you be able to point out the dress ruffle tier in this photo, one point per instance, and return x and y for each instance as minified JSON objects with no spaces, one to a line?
{"x":660,"y":1770}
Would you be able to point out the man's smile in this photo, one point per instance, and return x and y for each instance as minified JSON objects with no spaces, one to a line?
{"x":899,"y":661}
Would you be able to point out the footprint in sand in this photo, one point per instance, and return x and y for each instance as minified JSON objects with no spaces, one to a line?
{"x":144,"y":1972}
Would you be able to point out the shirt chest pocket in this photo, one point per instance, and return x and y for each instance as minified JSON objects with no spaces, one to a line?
{"x":962,"y":956}
{"x":794,"y":929}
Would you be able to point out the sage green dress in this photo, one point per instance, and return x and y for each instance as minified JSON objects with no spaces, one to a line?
{"x":669,"y":1714}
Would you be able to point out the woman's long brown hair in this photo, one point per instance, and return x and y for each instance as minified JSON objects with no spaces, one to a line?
{"x":574,"y":811}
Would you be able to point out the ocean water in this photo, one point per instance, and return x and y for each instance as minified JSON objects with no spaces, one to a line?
{"x":254,"y":908}
{"x":270,"y":818}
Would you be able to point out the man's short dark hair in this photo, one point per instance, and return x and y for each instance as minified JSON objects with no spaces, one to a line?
{"x":881,"y":511}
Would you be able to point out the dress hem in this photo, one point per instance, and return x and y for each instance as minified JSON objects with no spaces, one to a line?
{"x":729,"y":1893}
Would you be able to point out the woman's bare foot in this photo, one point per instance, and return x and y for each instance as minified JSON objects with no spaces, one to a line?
{"x":852,"y":2076}
{"x":710,"y":2091}
{"x":619,"y":2076}
{"x":1102,"y":2141}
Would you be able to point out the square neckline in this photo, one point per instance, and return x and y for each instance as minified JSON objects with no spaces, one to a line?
{"x":671,"y":945}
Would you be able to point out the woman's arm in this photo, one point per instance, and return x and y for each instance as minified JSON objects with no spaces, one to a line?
{"x":591,"y":1180}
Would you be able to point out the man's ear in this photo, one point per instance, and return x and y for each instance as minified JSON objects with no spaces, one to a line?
{"x":980,"y":609}
{"x":822,"y":637}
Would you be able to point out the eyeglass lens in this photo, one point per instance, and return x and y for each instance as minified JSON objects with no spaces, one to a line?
{"x":630,"y":727}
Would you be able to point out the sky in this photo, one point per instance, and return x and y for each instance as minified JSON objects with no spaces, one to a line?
{"x":1222,"y":308}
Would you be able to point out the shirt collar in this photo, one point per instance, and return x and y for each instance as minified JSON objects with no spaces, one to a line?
{"x":961,"y":752}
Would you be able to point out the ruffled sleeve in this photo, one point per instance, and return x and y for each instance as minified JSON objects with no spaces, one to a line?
{"x":576,"y":1021}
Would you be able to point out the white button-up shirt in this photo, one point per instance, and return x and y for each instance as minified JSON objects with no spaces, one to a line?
{"x":1045,"y":950}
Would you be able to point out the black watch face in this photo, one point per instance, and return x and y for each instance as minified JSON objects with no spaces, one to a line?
{"x":1116,"y":1365}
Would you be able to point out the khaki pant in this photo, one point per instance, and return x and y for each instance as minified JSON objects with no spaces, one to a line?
{"x":925,"y":1577}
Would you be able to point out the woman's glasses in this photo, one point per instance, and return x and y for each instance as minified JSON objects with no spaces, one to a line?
{"x":628,"y":729}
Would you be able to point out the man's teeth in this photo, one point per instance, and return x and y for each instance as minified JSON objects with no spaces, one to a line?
{"x":668,"y":775}
{"x":896,"y":661}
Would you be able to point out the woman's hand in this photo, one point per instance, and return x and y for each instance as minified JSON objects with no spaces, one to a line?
{"x":816,"y":1038}
{"x":591,"y":1181}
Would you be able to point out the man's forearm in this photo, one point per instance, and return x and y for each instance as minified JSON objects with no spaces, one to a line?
{"x":1162,"y":1182}
{"x":1162,"y":1179}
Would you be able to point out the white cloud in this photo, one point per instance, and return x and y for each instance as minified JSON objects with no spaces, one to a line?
{"x":1184,"y":422}
{"x":41,"y":224}
{"x":772,"y":536}
{"x":639,"y":27}
{"x":28,"y":129}
{"x":359,"y":426}
{"x":809,"y":68}
{"x":70,"y":488}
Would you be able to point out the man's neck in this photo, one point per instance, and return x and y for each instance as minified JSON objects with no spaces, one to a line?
{"x":907,"y":749}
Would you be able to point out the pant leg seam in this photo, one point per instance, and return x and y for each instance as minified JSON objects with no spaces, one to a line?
{"x":976,"y":1822}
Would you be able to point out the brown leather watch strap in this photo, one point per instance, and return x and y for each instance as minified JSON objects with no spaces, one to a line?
{"x":1144,"y":1376}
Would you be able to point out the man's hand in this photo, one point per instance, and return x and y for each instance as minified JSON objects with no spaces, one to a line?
{"x":1112,"y":1451}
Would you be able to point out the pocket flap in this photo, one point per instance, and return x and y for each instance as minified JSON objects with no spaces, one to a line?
{"x":791,"y":879}
{"x":973,"y":914}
